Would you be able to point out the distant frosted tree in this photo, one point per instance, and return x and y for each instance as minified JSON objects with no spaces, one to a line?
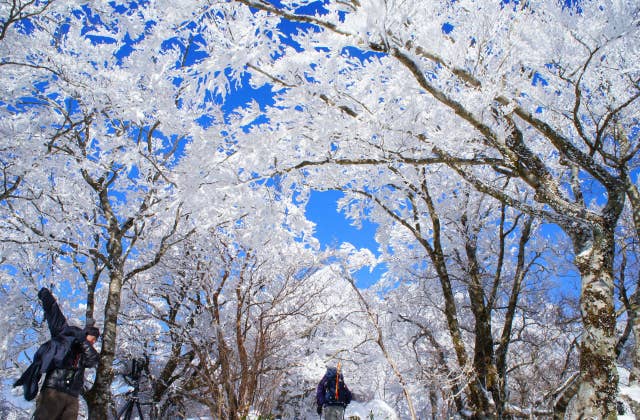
{"x":237,"y":323}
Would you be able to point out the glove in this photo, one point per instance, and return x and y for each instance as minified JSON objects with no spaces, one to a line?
{"x":43,"y":292}
{"x":319,"y":410}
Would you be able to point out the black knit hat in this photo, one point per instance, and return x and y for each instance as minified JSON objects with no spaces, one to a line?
{"x":91,"y":330}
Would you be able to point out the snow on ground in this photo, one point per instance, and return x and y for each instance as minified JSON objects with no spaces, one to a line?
{"x":374,"y":409}
{"x":378,"y":408}
{"x":631,"y":392}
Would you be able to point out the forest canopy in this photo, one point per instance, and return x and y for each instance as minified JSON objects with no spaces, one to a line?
{"x":156,"y":162}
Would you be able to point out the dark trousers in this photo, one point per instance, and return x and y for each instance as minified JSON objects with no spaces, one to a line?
{"x":56,"y":405}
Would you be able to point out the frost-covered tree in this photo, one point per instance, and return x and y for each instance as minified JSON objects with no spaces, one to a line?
{"x":538,"y":92}
{"x":470,"y":259}
{"x":98,"y":110}
{"x":97,"y":131}
{"x":237,"y":323}
{"x":113,"y":138}
{"x":16,"y":18}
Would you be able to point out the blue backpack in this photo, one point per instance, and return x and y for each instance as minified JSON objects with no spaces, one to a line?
{"x":330,"y":389}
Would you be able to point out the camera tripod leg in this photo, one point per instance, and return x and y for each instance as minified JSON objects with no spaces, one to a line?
{"x":139,"y":410}
{"x":125,"y":411}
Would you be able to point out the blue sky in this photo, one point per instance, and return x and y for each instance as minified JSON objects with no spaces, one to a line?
{"x":332,"y":228}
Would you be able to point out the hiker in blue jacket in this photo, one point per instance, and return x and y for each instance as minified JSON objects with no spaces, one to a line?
{"x":63,"y":360}
{"x":332,"y":395}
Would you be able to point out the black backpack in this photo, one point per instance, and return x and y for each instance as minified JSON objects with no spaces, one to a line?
{"x":330,"y":389}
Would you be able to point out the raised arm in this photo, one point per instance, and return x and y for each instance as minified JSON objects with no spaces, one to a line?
{"x":52,"y":313}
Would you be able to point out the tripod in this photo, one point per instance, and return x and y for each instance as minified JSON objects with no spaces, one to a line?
{"x":132,"y":401}
{"x":133,"y":379}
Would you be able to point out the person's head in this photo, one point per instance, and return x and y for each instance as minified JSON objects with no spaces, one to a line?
{"x":92,"y":333}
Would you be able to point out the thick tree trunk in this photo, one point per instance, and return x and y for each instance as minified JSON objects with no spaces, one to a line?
{"x":634,"y":198}
{"x":596,"y":396}
{"x":99,"y":397}
{"x":483,"y":359}
{"x":491,"y":376}
{"x":634,"y":376}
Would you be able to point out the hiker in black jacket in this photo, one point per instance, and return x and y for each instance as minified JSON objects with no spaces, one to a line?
{"x":63,"y":359}
{"x":332,"y":394}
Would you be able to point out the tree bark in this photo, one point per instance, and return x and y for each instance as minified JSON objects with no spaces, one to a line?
{"x":483,"y":358}
{"x":634,"y":199}
{"x":99,"y":397}
{"x":634,"y":375}
{"x":599,"y":375}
